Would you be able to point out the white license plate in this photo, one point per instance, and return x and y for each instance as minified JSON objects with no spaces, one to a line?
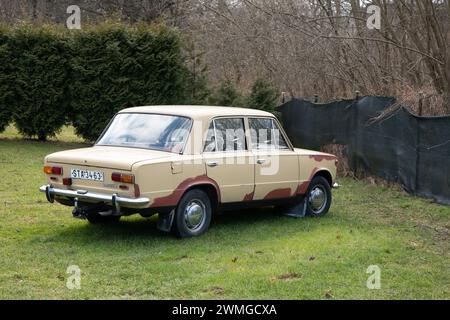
{"x":86,"y":175}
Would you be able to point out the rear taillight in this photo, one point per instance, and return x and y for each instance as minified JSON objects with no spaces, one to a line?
{"x":67,"y":181}
{"x":53,"y":170}
{"x":122,"y":177}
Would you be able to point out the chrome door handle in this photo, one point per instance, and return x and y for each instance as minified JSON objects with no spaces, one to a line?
{"x":260,"y":161}
{"x":212,"y":163}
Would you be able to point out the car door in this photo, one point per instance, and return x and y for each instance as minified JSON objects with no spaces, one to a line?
{"x":276,"y":163}
{"x":228,"y":159}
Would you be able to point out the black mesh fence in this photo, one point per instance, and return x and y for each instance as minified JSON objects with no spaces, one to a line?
{"x":400,"y":147}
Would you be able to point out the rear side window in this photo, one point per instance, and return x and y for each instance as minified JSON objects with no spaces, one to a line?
{"x":226,"y":134}
{"x":266,"y":134}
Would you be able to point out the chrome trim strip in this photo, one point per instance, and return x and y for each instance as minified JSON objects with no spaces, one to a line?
{"x":114,"y":199}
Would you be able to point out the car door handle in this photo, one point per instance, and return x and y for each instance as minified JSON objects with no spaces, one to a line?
{"x":260,"y":161}
{"x":212,"y":163}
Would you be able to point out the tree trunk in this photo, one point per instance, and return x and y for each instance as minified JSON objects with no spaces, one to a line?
{"x":42,"y":137}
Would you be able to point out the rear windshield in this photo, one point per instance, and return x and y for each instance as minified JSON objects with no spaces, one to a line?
{"x":148,"y":131}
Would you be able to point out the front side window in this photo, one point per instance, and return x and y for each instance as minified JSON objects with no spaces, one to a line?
{"x":149,"y":131}
{"x":266,"y":134}
{"x":226,"y":134}
{"x":210,"y":142}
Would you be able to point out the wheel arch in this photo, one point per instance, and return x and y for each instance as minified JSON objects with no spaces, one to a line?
{"x":210,"y":189}
{"x":325,"y":174}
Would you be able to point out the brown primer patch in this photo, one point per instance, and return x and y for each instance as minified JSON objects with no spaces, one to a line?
{"x":173,"y":198}
{"x":279,"y":194}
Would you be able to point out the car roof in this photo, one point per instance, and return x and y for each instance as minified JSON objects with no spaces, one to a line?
{"x":196,"y":112}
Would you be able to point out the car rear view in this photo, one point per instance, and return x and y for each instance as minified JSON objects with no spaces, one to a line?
{"x":99,"y":181}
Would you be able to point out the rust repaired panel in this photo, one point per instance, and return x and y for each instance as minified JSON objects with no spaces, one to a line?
{"x":279,"y":194}
{"x":321,"y":157}
{"x":249,"y":196}
{"x":303,"y":187}
{"x":173,"y":198}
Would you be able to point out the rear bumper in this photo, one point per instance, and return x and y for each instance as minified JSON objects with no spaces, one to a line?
{"x":82,"y":195}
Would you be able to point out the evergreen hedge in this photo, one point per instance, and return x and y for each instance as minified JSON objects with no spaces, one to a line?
{"x":49,"y":77}
{"x":116,"y":67}
{"x":40,"y":67}
{"x":6,"y":81}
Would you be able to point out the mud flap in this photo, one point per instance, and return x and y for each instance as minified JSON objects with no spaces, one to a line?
{"x":297,"y":211}
{"x":165,"y":221}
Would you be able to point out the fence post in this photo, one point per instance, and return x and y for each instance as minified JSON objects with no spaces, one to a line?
{"x":418,"y":137}
{"x":355,"y":135}
{"x":316,"y":98}
{"x":283,"y":97}
{"x":420,"y":103}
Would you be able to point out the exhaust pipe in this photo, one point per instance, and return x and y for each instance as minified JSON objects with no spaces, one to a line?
{"x":107,"y":213}
{"x":81,"y":212}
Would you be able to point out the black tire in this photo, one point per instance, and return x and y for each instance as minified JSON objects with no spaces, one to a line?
{"x":192,"y":215}
{"x":319,"y":189}
{"x":96,"y":218}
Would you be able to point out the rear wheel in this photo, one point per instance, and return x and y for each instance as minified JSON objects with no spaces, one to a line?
{"x":193,"y":214}
{"x":318,"y":197}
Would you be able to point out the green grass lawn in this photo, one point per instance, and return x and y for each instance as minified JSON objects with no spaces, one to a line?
{"x":251,"y":254}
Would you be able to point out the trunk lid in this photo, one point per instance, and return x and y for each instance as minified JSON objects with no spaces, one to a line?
{"x":106,"y":157}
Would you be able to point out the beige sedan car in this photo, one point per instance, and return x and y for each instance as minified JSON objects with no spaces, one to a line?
{"x":186,"y":163}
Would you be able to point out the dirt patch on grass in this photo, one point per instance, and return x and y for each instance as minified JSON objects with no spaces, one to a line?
{"x":216,"y":290}
{"x":286,"y":276}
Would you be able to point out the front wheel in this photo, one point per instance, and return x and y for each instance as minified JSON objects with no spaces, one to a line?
{"x":193,"y":214}
{"x":318,"y":197}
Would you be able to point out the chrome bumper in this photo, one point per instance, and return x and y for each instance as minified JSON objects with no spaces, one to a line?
{"x":79,"y":195}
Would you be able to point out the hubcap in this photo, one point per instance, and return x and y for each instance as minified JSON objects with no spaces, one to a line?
{"x":194,"y":214}
{"x":317,"y":199}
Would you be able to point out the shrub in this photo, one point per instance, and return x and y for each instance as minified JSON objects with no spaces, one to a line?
{"x":227,"y":95}
{"x":40,"y":61}
{"x":115,"y":67}
{"x":263,"y":96}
